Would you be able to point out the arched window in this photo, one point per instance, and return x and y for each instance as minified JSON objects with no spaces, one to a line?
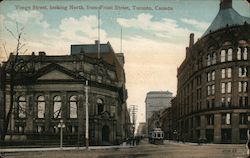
{"x":245,"y":54}
{"x":73,"y":107}
{"x":21,"y":107}
{"x":40,"y":107}
{"x":57,"y":103}
{"x":230,"y":54}
{"x":223,"y":56}
{"x":100,"y":106}
{"x":239,"y":54}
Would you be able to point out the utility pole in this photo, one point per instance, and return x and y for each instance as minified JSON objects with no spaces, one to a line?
{"x":87,"y":115}
{"x":133,"y":111}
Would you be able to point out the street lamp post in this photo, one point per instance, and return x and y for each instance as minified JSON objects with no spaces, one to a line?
{"x":61,"y":125}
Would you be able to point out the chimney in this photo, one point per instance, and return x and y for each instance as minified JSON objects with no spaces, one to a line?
{"x":191,"y":40}
{"x":41,"y":53}
{"x":224,"y":4}
{"x":96,"y":42}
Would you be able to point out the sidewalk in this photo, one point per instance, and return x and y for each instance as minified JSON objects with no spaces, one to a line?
{"x":64,"y":148}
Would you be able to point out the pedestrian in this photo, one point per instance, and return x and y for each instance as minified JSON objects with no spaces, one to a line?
{"x":248,"y":143}
{"x":248,"y":148}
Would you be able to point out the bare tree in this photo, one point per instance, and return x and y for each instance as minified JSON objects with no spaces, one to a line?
{"x":19,"y":46}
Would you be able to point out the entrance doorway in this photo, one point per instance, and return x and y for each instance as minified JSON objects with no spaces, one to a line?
{"x":105,"y":134}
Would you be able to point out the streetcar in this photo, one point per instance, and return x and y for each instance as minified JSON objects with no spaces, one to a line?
{"x":156,"y":136}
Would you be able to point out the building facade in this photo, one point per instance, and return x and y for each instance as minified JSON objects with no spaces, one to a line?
{"x":166,"y":122}
{"x":212,"y":101}
{"x":48,"y":89}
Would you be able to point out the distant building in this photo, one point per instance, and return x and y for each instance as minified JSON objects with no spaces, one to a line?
{"x":213,"y":91}
{"x":48,"y":89}
{"x":155,"y":102}
{"x":141,"y":130}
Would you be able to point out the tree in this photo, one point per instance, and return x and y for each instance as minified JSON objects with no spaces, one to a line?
{"x":12,"y":72}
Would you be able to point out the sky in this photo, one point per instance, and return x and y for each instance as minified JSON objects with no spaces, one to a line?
{"x":155,"y":34}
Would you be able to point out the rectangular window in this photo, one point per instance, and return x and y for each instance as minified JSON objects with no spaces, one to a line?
{"x":214,"y":58}
{"x":228,"y":104}
{"x":213,"y":75}
{"x":213,"y":89}
{"x":223,"y":56}
{"x":229,"y":72}
{"x":230,"y":54}
{"x":245,"y":54}
{"x":243,"y":119}
{"x":208,"y":60}
{"x":229,"y":87}
{"x":226,"y":118}
{"x":223,"y":102}
{"x":223,"y":88}
{"x":210,"y":119}
{"x":223,"y":73}
{"x":243,"y":71}
{"x":208,"y":90}
{"x":239,"y":54}
{"x":243,"y":134}
{"x":208,"y":76}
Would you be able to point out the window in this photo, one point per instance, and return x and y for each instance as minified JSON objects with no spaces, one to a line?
{"x":226,"y":118}
{"x":210,"y":119}
{"x":223,"y":102}
{"x":212,"y":89}
{"x":229,"y":87}
{"x":208,"y":60}
{"x":21,"y":107}
{"x":243,"y":134}
{"x":242,"y":53}
{"x":57,"y":107}
{"x":208,"y":76}
{"x":243,"y":86}
{"x":242,"y":71}
{"x":73,"y":107}
{"x":19,"y":129}
{"x":213,"y":75}
{"x":245,"y":54}
{"x":223,"y":56}
{"x":40,"y":129}
{"x":243,"y":101}
{"x":223,"y":73}
{"x":208,"y":90}
{"x":229,"y":54}
{"x":239,"y":54}
{"x":228,"y":103}
{"x":223,"y":88}
{"x":214,"y":58}
{"x":229,"y":72}
{"x":100,"y":106}
{"x":243,"y":119}
{"x":40,"y":107}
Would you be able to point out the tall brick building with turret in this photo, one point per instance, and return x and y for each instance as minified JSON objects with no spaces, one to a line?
{"x":212,"y":101}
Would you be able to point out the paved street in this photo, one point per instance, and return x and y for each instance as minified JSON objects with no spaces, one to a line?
{"x":168,"y":150}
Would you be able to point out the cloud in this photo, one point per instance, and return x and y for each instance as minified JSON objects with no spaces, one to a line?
{"x":24,"y":17}
{"x":197,"y":24}
{"x":164,"y":28}
{"x":80,"y":29}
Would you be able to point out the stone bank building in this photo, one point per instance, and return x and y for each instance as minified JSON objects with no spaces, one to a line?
{"x":48,"y":89}
{"x":213,"y":91}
